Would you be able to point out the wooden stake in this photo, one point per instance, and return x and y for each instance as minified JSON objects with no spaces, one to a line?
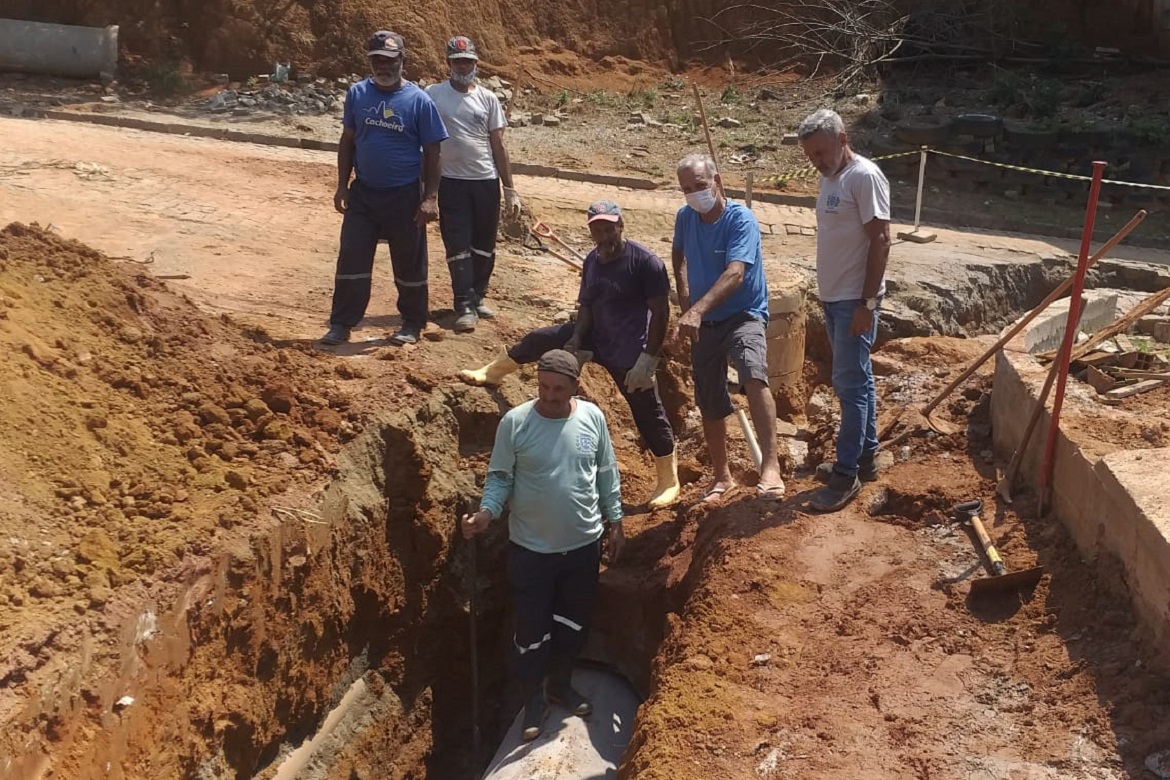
{"x":707,"y":134}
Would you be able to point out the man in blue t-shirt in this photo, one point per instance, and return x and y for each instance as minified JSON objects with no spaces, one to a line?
{"x":719,"y":270}
{"x":390,"y":140}
{"x":621,"y":324}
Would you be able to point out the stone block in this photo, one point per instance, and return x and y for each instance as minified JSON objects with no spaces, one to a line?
{"x":1046,"y":332}
{"x":1147,"y":325}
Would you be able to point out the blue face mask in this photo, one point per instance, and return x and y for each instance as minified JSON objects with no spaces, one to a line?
{"x":466,"y":79}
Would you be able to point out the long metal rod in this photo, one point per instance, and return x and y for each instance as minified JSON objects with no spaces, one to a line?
{"x":472,"y":608}
{"x":749,"y":436}
{"x":1070,"y":334}
{"x":921,"y":181}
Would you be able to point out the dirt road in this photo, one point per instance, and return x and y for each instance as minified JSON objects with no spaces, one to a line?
{"x":796,"y":646}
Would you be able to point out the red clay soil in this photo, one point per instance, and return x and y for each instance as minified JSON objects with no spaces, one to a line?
{"x":145,"y":445}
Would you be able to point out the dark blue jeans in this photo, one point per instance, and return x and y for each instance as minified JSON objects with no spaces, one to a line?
{"x":374,"y":215}
{"x":853,"y":384}
{"x":553,"y":595}
{"x":469,"y":214}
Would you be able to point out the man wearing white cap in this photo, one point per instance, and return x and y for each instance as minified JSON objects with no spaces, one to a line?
{"x":475,"y":163}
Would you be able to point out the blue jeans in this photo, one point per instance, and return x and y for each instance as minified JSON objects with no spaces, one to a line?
{"x":853,"y":383}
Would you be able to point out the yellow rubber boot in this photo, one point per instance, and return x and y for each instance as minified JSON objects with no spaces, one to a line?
{"x":666,"y":493}
{"x":491,"y":374}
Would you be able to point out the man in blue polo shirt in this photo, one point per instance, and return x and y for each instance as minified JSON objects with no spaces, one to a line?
{"x":391,"y":137}
{"x":719,"y":270}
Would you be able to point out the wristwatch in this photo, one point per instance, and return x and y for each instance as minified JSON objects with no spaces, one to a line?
{"x":870,"y":303}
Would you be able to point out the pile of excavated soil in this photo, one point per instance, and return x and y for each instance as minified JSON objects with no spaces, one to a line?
{"x":137,"y":431}
{"x":244,"y":37}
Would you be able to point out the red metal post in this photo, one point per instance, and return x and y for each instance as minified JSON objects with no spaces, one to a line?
{"x":1070,"y":335}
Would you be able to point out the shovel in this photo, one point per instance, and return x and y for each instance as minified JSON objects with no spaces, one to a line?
{"x":1000,"y":581}
{"x":544,"y":230}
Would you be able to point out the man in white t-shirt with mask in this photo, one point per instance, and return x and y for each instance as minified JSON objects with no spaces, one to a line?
{"x":853,"y":245}
{"x":475,"y":163}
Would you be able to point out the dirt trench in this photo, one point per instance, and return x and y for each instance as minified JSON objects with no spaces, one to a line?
{"x":367,"y":583}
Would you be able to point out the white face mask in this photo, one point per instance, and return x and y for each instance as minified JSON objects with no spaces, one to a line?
{"x":464,"y":80}
{"x":702,"y":201}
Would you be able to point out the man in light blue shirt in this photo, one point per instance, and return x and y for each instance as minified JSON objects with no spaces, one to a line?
{"x":553,"y":462}
{"x":719,"y":271}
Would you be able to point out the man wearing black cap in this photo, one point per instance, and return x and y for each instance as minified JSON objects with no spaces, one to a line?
{"x":553,"y":462}
{"x":621,"y":323}
{"x":475,"y":162}
{"x":391,"y":135}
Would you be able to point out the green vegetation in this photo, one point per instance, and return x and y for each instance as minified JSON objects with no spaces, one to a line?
{"x":599,"y":98}
{"x":646,"y":98}
{"x":684,"y":119}
{"x":1041,"y":97}
{"x":166,"y":78}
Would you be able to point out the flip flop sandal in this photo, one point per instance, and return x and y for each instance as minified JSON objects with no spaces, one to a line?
{"x":717,"y":493}
{"x":773,"y":493}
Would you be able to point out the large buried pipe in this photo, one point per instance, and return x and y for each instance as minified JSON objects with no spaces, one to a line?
{"x":58,"y":49}
{"x":571,"y":748}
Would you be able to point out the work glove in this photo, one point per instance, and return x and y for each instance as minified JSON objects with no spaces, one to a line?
{"x":641,"y":376}
{"x":512,"y":204}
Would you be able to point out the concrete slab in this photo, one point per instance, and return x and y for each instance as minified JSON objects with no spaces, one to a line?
{"x":1114,"y":503}
{"x":1046,"y":332}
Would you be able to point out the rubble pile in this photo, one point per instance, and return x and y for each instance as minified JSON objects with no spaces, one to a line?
{"x":322,"y":96}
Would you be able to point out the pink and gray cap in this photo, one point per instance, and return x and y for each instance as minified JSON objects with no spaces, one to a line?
{"x":605,"y":210}
{"x":386,"y":44}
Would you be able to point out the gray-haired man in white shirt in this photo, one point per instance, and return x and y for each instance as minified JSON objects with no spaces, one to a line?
{"x":853,"y":246}
{"x":474,"y":162}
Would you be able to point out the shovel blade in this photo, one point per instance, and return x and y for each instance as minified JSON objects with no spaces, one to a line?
{"x":1007,"y":583}
{"x":944,"y":427}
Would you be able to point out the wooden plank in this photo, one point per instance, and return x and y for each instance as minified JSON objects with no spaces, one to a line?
{"x":1100,"y":381}
{"x":1140,"y":387}
{"x":1125,"y":343}
{"x":1098,"y":359}
{"x":1124,"y":375}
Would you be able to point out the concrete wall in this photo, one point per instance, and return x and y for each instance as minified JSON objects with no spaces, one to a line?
{"x":1113,"y":503}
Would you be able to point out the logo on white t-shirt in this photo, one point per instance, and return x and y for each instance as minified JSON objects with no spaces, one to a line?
{"x":832,"y":202}
{"x":586,"y":445}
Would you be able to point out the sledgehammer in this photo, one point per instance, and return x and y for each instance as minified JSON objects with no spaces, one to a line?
{"x":1000,"y":580}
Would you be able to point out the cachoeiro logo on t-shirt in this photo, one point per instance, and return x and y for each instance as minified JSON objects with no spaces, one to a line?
{"x":832,"y":203}
{"x":382,"y":115}
{"x":586,"y":444}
